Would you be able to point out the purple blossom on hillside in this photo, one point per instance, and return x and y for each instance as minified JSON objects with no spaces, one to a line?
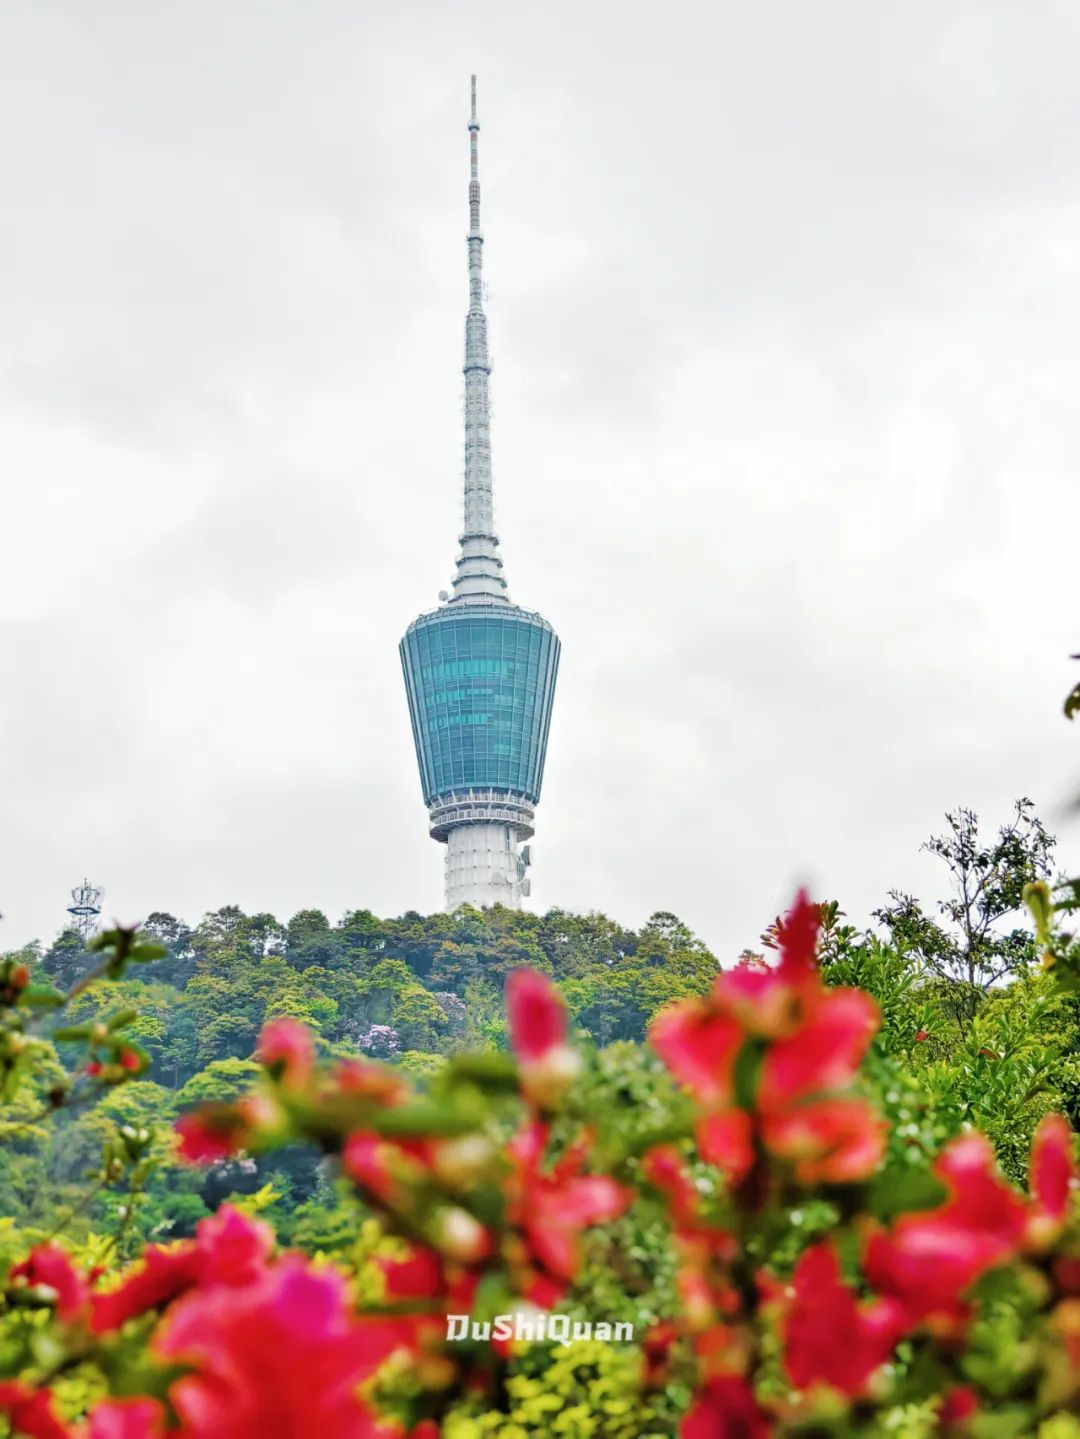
{"x":453,"y":1006}
{"x":381,"y":1042}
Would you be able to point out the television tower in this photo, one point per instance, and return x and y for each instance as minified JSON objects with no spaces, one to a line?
{"x":480,"y":671}
{"x":85,"y":908}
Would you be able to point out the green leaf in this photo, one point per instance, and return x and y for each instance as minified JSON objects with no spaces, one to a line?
{"x":899,"y":1192}
{"x":747,"y":1073}
{"x":490,"y":1069}
{"x":41,"y":996}
{"x":413,"y":1119}
{"x":71,"y":1032}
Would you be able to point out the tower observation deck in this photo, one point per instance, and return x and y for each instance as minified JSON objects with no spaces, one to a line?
{"x":480,"y":671}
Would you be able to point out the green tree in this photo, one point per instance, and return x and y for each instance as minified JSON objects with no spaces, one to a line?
{"x":977,"y":942}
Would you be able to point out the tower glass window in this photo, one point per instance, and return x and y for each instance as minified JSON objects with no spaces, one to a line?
{"x":480,"y":684}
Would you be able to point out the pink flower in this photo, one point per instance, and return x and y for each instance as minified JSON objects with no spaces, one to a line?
{"x":797,"y":936}
{"x":48,"y":1267}
{"x":288,"y":1051}
{"x":231,"y":1248}
{"x":281,"y":1355}
{"x":928,"y":1260}
{"x":1052,"y":1177}
{"x":536,"y":1014}
{"x":127,"y":1419}
{"x":828,"y":1141}
{"x":547,"y":1064}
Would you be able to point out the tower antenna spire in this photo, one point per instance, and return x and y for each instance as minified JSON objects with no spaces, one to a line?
{"x":479,"y":567}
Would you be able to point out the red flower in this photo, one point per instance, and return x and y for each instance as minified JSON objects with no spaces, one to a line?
{"x":699,"y":1042}
{"x":420,"y":1276}
{"x":824,"y":1053}
{"x":362,"y":1076}
{"x":281,"y":1355}
{"x":551,"y":1209}
{"x":726,"y":1409}
{"x":922,"y":1035}
{"x":49,"y":1267}
{"x":797,"y":935}
{"x":811,"y":1040}
{"x":30,"y":1412}
{"x":664,"y":1167}
{"x":228,"y":1249}
{"x":160,"y":1277}
{"x":829,"y":1141}
{"x":1052,"y":1176}
{"x":829,"y":1338}
{"x":1066,"y":1271}
{"x":727,"y":1139}
{"x":384,"y":1167}
{"x":656,"y":1351}
{"x":424,"y":1275}
{"x":207,"y":1135}
{"x":288,"y":1051}
{"x":957,"y":1407}
{"x":129,"y":1060}
{"x":929,"y":1259}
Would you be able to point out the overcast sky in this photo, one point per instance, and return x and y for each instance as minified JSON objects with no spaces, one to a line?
{"x":784,"y":306}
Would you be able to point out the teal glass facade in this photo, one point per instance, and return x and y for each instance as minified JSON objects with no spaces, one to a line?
{"x":481,"y":682}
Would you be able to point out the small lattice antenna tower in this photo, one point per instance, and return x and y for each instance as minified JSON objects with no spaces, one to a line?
{"x":85,"y":908}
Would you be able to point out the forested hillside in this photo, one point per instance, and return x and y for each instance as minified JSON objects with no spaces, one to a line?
{"x":405,"y":990}
{"x":414,"y":989}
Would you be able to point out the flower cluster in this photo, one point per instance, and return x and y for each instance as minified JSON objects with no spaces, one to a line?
{"x":772,"y":1057}
{"x":474,"y":1214}
{"x":225,"y":1311}
{"x":483,"y":1183}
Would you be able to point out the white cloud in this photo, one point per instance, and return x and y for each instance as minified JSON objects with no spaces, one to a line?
{"x":783,"y":307}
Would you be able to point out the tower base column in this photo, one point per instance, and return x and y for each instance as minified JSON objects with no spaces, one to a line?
{"x":483,"y":866}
